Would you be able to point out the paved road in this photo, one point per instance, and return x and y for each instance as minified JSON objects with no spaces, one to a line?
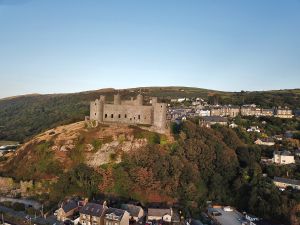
{"x":26,"y":202}
{"x":228,"y":218}
{"x":22,"y":215}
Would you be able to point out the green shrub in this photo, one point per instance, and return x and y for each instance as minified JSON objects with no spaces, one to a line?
{"x":96,"y":143}
{"x":18,"y":206}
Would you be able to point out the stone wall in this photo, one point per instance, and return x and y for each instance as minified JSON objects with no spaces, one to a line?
{"x":130,"y":112}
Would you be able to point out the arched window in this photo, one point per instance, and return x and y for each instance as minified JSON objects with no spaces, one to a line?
{"x":105,"y":115}
{"x":139,"y":117}
{"x":119,"y":116}
{"x":112,"y":116}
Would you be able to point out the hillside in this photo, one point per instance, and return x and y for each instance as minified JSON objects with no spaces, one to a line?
{"x":58,"y":150}
{"x":23,"y":117}
{"x":193,"y":166}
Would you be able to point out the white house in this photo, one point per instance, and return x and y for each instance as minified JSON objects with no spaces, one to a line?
{"x":283,"y":183}
{"x":253,"y":129}
{"x":265,"y":141}
{"x":283,"y":157}
{"x":160,"y":215}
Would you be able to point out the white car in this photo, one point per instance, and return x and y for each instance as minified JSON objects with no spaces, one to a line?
{"x":227,"y":209}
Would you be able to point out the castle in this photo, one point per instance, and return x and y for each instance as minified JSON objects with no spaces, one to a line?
{"x":130,"y":112}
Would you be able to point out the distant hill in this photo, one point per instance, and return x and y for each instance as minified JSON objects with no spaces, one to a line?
{"x":22,"y":117}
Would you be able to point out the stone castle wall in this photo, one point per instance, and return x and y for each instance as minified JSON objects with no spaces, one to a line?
{"x":129,"y":112}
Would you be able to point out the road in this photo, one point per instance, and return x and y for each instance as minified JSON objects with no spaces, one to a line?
{"x":26,"y":202}
{"x":22,"y":216}
{"x":228,"y":218}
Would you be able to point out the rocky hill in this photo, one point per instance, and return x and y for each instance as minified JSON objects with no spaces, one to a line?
{"x":22,"y":117}
{"x":60,"y":149}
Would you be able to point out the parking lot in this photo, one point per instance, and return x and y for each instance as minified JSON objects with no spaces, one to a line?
{"x":228,"y":218}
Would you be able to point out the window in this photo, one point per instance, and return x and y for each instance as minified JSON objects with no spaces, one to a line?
{"x":95,"y":114}
{"x":139,"y":117}
{"x":125,"y":116}
{"x":105,"y":115}
{"x":134,"y":118}
{"x":119,"y":116}
{"x":112,"y":116}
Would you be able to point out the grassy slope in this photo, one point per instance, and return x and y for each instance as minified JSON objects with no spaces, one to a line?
{"x":25,"y":116}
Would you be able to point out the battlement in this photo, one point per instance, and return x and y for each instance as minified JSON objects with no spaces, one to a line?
{"x":131,"y":111}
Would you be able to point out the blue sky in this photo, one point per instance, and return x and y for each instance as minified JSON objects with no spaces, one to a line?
{"x":55,"y":46}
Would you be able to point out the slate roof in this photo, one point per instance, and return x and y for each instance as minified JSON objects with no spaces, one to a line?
{"x":118,"y":212}
{"x":284,"y":153}
{"x":214,"y":119}
{"x":159,"y":212}
{"x":287,"y":181}
{"x":70,"y":205}
{"x":132,"y":209}
{"x":92,"y":209}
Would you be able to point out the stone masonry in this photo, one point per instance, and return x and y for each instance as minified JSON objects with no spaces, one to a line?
{"x":130,"y":112}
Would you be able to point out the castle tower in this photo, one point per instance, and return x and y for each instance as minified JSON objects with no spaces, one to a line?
{"x":159,"y":114}
{"x":154,"y":101}
{"x":139,"y":99}
{"x":100,"y":109}
{"x":117,"y":99}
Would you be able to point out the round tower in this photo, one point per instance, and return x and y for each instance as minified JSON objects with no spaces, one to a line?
{"x":154,"y":100}
{"x":100,"y":108}
{"x":117,"y":99}
{"x":139,"y":99}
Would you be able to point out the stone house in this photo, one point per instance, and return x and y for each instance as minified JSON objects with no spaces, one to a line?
{"x":135,"y":212}
{"x":164,"y":215}
{"x":267,"y":112}
{"x":284,"y":113}
{"x":67,"y":210}
{"x":250,"y":110}
{"x":115,"y":216}
{"x":208,"y":121}
{"x":92,"y":214}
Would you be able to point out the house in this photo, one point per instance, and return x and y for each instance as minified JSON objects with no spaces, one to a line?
{"x":208,"y":121}
{"x":233,"y":125}
{"x":251,"y":219}
{"x":160,"y":215}
{"x":267,"y":112}
{"x":283,"y":183}
{"x":135,"y":212}
{"x":67,"y":210}
{"x":284,"y":113}
{"x":253,"y":129}
{"x":265,"y":141}
{"x":203,"y":112}
{"x":297,"y":152}
{"x":115,"y":216}
{"x":92,"y":214}
{"x":228,"y":111}
{"x":283,"y":157}
{"x":250,"y":110}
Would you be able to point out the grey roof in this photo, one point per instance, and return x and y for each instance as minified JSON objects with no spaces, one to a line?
{"x":284,"y":153}
{"x":286,"y":181}
{"x":92,"y":209}
{"x":132,"y":209}
{"x":158,"y":212}
{"x":118,"y":212}
{"x":214,"y":119}
{"x":70,"y":205}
